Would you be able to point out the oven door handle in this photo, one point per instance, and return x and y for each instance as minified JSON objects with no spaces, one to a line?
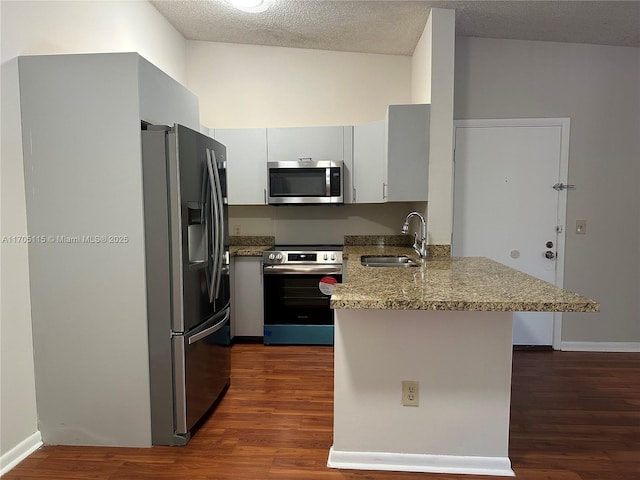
{"x":302,"y":269}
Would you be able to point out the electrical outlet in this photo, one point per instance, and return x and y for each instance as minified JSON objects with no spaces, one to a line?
{"x":236,"y":230}
{"x":581,"y":227}
{"x":410,"y":393}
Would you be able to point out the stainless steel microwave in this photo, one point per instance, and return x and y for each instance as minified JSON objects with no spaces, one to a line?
{"x":305,"y":182}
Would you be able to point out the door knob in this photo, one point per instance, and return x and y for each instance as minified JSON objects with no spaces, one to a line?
{"x":549,"y":254}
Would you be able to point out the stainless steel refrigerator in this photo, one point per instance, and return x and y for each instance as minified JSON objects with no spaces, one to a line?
{"x":187,"y":268}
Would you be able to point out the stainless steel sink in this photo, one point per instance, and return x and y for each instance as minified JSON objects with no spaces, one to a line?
{"x":388,"y":261}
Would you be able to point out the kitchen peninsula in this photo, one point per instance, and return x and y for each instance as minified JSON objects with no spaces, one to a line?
{"x":448,"y":325}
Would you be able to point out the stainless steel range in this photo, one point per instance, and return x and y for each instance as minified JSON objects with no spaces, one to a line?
{"x":298,"y":282}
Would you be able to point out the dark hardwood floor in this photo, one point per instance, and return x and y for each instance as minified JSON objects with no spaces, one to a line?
{"x":575,"y":416}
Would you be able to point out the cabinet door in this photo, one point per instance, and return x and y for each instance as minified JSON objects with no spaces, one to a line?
{"x":369,"y":162}
{"x":247,"y":303}
{"x":246,"y":164}
{"x":234,"y":303}
{"x":408,"y":152}
{"x":317,"y":143}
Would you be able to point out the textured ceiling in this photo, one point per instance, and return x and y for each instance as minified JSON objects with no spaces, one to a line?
{"x":394,"y":27}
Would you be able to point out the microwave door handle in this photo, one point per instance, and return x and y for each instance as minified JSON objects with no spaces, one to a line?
{"x":220,"y":224}
{"x":327,"y":182}
{"x":214,"y":217}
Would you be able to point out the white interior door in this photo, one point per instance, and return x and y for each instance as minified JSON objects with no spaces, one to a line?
{"x":505,"y":206}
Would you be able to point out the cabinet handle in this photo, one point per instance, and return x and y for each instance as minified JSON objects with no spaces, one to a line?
{"x":354,"y":196}
{"x":264,"y":191}
{"x":384,"y":190}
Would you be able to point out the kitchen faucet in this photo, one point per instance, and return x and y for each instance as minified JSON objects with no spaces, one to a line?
{"x":421,"y":249}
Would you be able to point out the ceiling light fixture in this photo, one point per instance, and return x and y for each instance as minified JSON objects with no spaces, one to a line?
{"x":253,"y":6}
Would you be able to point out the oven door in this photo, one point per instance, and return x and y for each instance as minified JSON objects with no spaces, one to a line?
{"x":296,"y":304}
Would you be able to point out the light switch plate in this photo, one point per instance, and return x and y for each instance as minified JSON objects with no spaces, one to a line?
{"x":581,"y":227}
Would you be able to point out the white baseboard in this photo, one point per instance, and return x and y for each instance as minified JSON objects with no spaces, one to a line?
{"x":21,"y":451}
{"x":600,"y":347}
{"x":411,"y":462}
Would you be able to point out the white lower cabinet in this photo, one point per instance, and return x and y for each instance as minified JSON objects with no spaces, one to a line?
{"x":391,"y":156}
{"x":247,"y":308}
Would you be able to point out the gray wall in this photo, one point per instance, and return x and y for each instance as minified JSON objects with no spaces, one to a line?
{"x":18,"y":416}
{"x":81,"y":135}
{"x":598,"y":87}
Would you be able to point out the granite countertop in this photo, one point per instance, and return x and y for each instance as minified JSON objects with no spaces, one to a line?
{"x":250,"y":246}
{"x":248,"y":250}
{"x":448,"y":283}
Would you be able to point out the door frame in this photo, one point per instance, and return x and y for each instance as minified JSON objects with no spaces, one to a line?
{"x":563,"y":171}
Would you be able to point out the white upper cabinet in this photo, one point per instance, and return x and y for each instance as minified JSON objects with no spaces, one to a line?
{"x":391,"y":156}
{"x":315,"y":143}
{"x":246,"y":164}
{"x":408,"y":152}
{"x":369,"y":158}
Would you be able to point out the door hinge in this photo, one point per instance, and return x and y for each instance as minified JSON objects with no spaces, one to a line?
{"x":561,"y":186}
{"x":559,"y":229}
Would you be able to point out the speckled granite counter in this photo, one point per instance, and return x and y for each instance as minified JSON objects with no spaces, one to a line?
{"x":250,"y":246}
{"x":248,"y":250}
{"x":463,"y":284}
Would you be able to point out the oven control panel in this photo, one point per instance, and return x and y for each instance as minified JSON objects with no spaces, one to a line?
{"x":302,"y":257}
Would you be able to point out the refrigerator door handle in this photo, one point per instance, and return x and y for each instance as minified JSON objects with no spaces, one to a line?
{"x":220,"y":219}
{"x":216,"y":233}
{"x":205,"y":214}
{"x":188,"y":380}
{"x":210,"y":330}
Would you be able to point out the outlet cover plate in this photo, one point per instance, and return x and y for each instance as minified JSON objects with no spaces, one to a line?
{"x":410,"y":393}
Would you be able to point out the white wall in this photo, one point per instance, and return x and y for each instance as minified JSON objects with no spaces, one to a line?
{"x":464,"y":387}
{"x":432,"y":82}
{"x":598,"y":88}
{"x":421,"y":65}
{"x":43,"y":28}
{"x":241,"y":86}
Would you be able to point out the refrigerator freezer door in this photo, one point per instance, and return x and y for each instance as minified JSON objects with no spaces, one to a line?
{"x":202,"y":368}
